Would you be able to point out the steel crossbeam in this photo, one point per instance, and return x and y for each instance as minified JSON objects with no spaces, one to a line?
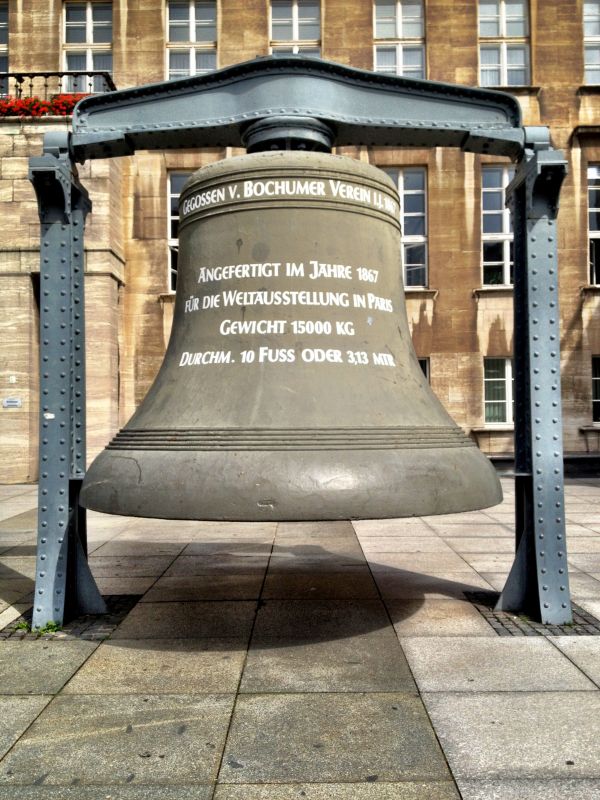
{"x":313,"y":104}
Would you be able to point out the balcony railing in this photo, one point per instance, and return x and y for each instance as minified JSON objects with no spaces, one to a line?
{"x":46,"y":85}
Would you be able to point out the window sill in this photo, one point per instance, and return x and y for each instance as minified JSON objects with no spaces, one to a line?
{"x":421,"y":291}
{"x":589,"y":88}
{"x":589,"y":289}
{"x":588,"y":430}
{"x":167,"y":297}
{"x":494,"y":429}
{"x":504,"y":290}
{"x":519,"y":91}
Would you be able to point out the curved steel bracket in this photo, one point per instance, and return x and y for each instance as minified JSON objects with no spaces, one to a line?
{"x":360,"y":108}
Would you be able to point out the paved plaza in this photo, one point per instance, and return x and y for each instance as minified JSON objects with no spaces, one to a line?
{"x":325,"y":661}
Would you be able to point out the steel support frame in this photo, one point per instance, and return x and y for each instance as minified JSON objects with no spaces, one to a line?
{"x":64,"y":585}
{"x":116,"y":125}
{"x":538,"y":582}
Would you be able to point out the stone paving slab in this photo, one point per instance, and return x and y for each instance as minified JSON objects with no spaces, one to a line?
{"x":324,"y":585}
{"x":188,"y":620}
{"x":430,"y":617}
{"x":372,"y":662}
{"x":106,"y":740}
{"x":528,"y":789}
{"x":518,"y":735}
{"x":406,"y":544}
{"x":318,"y":528}
{"x":125,"y":585}
{"x":331,"y":738}
{"x":107,"y":793}
{"x":584,"y":652}
{"x":161,"y":666}
{"x":407,"y":790}
{"x":25,"y":521}
{"x":16,"y":507}
{"x":288,"y":623}
{"x":471,"y":664}
{"x":40,"y":667}
{"x":129,"y":566}
{"x":208,"y":564}
{"x":16,"y":715}
{"x":230,"y":547}
{"x":330,"y":547}
{"x":419,"y":562}
{"x":327,"y":562}
{"x":17,"y":567}
{"x":410,"y":585}
{"x":485,"y":530}
{"x":217,"y":586}
{"x":482,"y":544}
{"x":121,"y":547}
{"x":587,"y":562}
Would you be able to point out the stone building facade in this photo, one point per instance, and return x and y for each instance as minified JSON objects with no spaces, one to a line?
{"x":457,"y":235}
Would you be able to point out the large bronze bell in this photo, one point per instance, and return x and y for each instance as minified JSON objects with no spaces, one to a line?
{"x":290,"y":389}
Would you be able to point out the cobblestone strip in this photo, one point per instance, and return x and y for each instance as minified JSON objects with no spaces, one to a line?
{"x":88,"y":627}
{"x":506,"y":624}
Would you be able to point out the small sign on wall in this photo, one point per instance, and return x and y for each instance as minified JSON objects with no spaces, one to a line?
{"x":12,"y":402}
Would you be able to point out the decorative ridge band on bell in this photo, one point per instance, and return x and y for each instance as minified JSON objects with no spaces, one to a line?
{"x":300,"y":439}
{"x":290,"y":389}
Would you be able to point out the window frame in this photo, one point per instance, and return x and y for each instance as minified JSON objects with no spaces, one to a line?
{"x":509,"y":392}
{"x":295,"y":45}
{"x":4,"y":50}
{"x":398,"y":174}
{"x":504,"y":42}
{"x":400,"y":43}
{"x":596,"y":390}
{"x":593,"y":235}
{"x":590,"y":42}
{"x":88,"y":48}
{"x":173,"y":241}
{"x":191,"y":46}
{"x":506,"y":236}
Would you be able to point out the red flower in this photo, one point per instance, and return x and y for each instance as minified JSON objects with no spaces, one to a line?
{"x":60,"y":105}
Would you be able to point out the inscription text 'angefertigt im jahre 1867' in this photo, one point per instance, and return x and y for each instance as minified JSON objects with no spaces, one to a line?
{"x":356,"y":289}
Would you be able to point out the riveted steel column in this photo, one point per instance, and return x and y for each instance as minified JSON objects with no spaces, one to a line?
{"x":63,"y":580}
{"x":538,"y":581}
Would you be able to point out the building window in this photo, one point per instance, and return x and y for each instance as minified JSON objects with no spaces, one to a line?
{"x":498,"y":391}
{"x":496,"y":227}
{"x":3,"y":47}
{"x":594,"y":222}
{"x":175,"y":185}
{"x":399,"y":37}
{"x":295,"y":27}
{"x":591,"y":42}
{"x":596,"y":388}
{"x":88,"y":32}
{"x":424,"y":364}
{"x":192,"y":41}
{"x":503,"y":43}
{"x":412,"y":190}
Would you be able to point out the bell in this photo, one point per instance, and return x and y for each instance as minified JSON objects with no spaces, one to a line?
{"x":290,"y":389}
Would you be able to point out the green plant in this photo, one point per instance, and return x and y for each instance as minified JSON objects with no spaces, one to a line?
{"x":49,"y":627}
{"x":22,"y":625}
